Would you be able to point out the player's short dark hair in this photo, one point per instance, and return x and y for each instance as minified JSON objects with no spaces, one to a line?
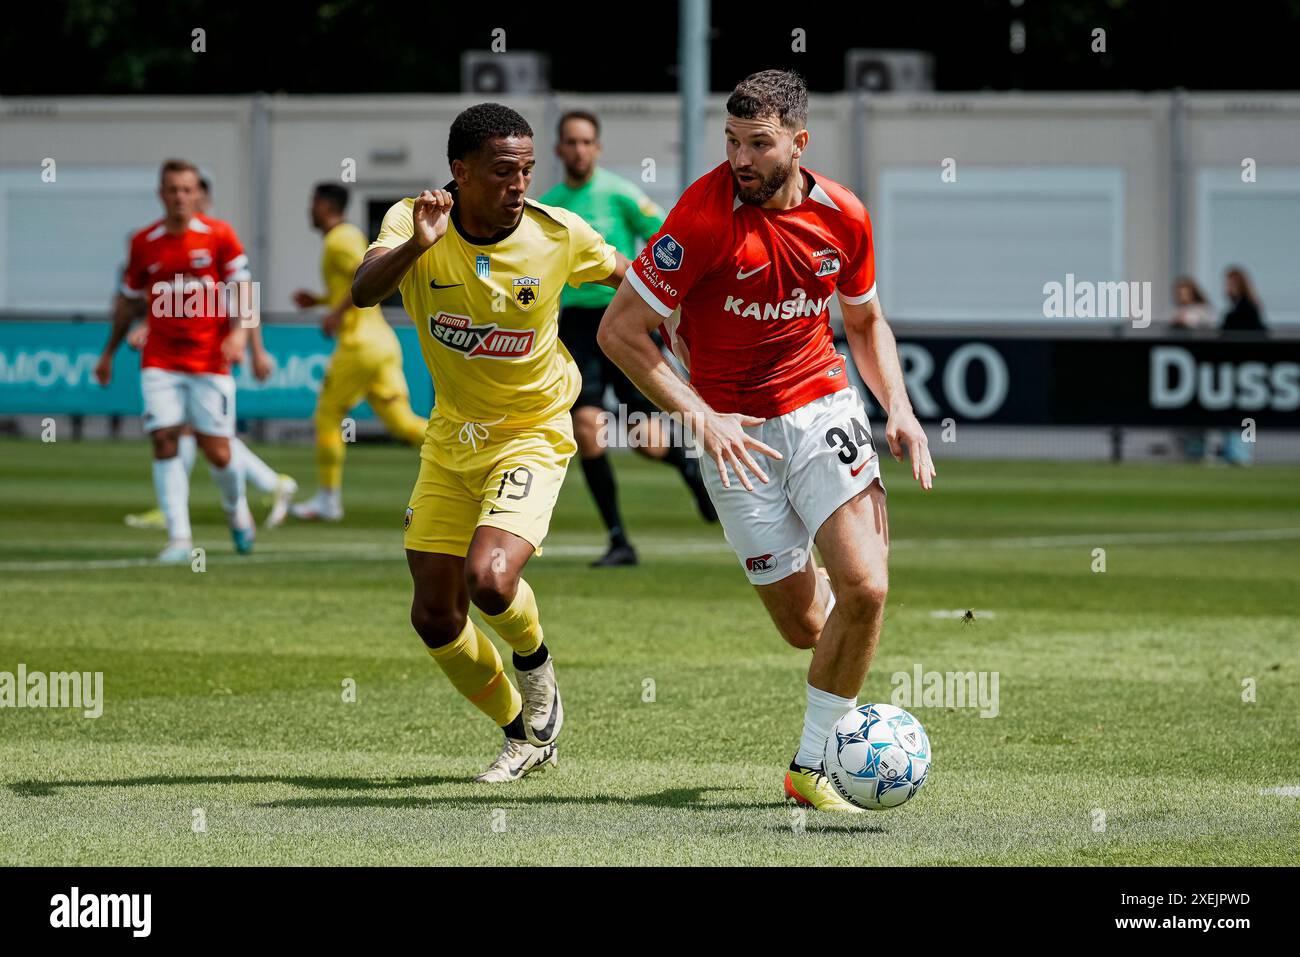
{"x":587,"y":115}
{"x":480,"y":123}
{"x":334,"y":194}
{"x":178,"y":166}
{"x":779,"y":93}
{"x":205,"y":185}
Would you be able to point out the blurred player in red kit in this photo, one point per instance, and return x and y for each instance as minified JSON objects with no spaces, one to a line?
{"x":191,"y":274}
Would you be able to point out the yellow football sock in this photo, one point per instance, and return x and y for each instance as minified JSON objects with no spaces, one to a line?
{"x":519,"y":625}
{"x":329,"y":451}
{"x":400,"y":419}
{"x":473,"y":666}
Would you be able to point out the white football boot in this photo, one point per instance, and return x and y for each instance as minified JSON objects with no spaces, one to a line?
{"x":319,"y":508}
{"x":285,"y":489}
{"x":543,"y":713}
{"x":177,"y":552}
{"x":518,"y":758}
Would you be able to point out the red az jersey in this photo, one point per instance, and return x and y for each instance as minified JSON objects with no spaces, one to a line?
{"x":754,"y":288}
{"x":188,"y":338}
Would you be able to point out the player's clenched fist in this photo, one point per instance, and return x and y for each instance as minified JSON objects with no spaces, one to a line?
{"x":726,"y":442}
{"x":430,"y":215}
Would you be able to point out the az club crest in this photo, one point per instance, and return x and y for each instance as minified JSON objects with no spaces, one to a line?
{"x":526,"y":290}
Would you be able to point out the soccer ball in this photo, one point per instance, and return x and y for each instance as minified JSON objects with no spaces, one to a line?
{"x":877,"y":756}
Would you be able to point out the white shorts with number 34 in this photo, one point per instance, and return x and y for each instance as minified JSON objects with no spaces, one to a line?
{"x":202,"y":400}
{"x":829,"y":457}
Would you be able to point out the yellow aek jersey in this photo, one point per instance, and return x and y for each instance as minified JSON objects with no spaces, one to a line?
{"x":488,"y":312}
{"x":341,"y":253}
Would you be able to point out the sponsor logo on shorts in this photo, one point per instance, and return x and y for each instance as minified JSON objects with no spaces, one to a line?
{"x":667,"y":254}
{"x":406,"y":522}
{"x":489,"y":341}
{"x":527,"y":288}
{"x":761,"y":563}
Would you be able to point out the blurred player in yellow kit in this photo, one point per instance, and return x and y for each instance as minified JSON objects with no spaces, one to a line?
{"x":481,"y":268}
{"x":367,"y":362}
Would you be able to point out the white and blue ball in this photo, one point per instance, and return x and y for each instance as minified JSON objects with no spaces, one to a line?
{"x":877,"y":756}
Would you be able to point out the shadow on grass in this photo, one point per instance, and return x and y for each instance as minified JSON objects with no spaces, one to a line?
{"x":47,"y":788}
{"x":689,"y":798}
{"x":481,"y":794}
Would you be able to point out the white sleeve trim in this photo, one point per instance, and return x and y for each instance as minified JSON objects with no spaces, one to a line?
{"x":237,"y":264}
{"x":131,"y":293}
{"x":651,"y":299}
{"x":859,"y":300}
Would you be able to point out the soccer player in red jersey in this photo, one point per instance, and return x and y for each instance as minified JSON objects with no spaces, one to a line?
{"x":739,"y":280}
{"x":186,"y":269}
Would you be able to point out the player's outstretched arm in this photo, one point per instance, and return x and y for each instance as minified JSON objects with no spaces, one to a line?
{"x":245,"y":315}
{"x":124,"y":311}
{"x":624,"y":335}
{"x":875,"y":353}
{"x":263,"y":361}
{"x":381,"y":270}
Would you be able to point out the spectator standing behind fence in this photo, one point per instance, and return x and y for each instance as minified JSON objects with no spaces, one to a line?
{"x":1244,"y":315}
{"x":1193,"y":314}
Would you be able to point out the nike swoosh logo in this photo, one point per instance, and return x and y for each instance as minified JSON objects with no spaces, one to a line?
{"x":433,"y":284}
{"x":546,"y":732}
{"x":741,"y":274}
{"x":500,"y":511}
{"x":854,"y":472}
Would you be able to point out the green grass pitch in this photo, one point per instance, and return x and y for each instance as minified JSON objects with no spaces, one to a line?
{"x":1122,"y":735}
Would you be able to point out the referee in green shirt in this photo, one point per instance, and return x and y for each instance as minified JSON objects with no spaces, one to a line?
{"x":626,"y":217}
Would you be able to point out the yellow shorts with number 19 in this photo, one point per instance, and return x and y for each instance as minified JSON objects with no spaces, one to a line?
{"x":506,"y":478}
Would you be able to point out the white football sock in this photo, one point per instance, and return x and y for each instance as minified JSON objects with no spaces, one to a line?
{"x":171,"y":484}
{"x":187,"y":448}
{"x":258,"y":474}
{"x":824,"y":709}
{"x":230,"y":481}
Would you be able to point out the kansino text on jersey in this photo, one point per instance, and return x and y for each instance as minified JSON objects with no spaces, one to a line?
{"x":799,"y":305}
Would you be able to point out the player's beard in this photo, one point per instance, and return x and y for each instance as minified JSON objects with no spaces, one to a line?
{"x":767,"y":185}
{"x":582,"y":174}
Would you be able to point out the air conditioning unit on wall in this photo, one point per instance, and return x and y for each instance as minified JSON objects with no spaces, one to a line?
{"x":526,"y":71}
{"x":888,"y":71}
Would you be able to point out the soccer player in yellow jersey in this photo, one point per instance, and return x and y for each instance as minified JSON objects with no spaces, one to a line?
{"x":481,"y":268}
{"x":367,"y":362}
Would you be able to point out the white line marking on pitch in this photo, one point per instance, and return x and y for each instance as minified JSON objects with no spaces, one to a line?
{"x":961,"y":613}
{"x":1102,"y":538}
{"x":1290,"y":791}
{"x":288,"y":551}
